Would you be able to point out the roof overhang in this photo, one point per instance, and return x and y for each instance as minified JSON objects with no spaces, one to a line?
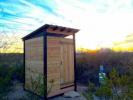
{"x":54,"y":29}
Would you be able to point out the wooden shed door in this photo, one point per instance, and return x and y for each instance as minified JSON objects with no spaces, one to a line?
{"x":67,"y":62}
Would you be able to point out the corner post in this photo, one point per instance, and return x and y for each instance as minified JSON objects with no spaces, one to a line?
{"x":45,"y":63}
{"x":24,"y":63}
{"x":74,"y":50}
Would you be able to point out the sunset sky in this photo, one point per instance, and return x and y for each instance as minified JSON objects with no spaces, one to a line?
{"x":102,"y":23}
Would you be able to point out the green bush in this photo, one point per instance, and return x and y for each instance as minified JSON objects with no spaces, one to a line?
{"x":104,"y":92}
{"x":5,"y":81}
{"x":7,"y":75}
{"x":115,"y":87}
{"x":91,"y":89}
{"x":88,"y":64}
{"x":18,"y":73}
{"x":38,"y":84}
{"x":88,"y":96}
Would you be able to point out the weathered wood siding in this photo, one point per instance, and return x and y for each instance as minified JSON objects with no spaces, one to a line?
{"x":33,"y":63}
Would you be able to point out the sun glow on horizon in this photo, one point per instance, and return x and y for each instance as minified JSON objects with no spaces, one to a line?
{"x":102,"y":23}
{"x":103,"y":30}
{"x":97,"y":41}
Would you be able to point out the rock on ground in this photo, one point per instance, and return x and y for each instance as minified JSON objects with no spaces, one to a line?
{"x":71,"y":94}
{"x":63,"y":98}
{"x":78,"y":95}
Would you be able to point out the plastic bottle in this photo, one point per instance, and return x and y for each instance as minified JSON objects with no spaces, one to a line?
{"x":102,"y":75}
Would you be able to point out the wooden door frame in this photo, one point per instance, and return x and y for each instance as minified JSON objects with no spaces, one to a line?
{"x":62,"y":60}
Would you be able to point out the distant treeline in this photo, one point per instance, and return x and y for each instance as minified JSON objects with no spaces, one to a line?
{"x":11,"y":59}
{"x":88,"y":64}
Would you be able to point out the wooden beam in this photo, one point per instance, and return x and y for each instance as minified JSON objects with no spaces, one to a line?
{"x":45,"y":63}
{"x":75,"y":84}
{"x":24,"y":62}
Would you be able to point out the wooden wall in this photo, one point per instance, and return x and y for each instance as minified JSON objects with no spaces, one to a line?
{"x":53,"y":63}
{"x":33,"y":63}
{"x":67,"y":58}
{"x":60,"y":62}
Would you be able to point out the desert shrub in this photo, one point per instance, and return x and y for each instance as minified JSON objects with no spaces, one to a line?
{"x":5,"y":81}
{"x":8,"y":59}
{"x":18,"y":73}
{"x":104,"y":92}
{"x":88,"y":64}
{"x":12,"y":64}
{"x":88,"y":96}
{"x":38,"y":84}
{"x":15,"y":73}
{"x":115,"y":87}
{"x":85,"y":69}
{"x":8,"y":73}
{"x":90,"y":90}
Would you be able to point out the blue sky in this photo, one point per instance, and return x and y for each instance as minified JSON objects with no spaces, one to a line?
{"x":101,"y":21}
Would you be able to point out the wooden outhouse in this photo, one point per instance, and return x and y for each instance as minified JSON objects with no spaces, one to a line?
{"x":49,"y":60}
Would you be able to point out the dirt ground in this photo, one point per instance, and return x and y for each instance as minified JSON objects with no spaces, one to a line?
{"x":18,"y":93}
